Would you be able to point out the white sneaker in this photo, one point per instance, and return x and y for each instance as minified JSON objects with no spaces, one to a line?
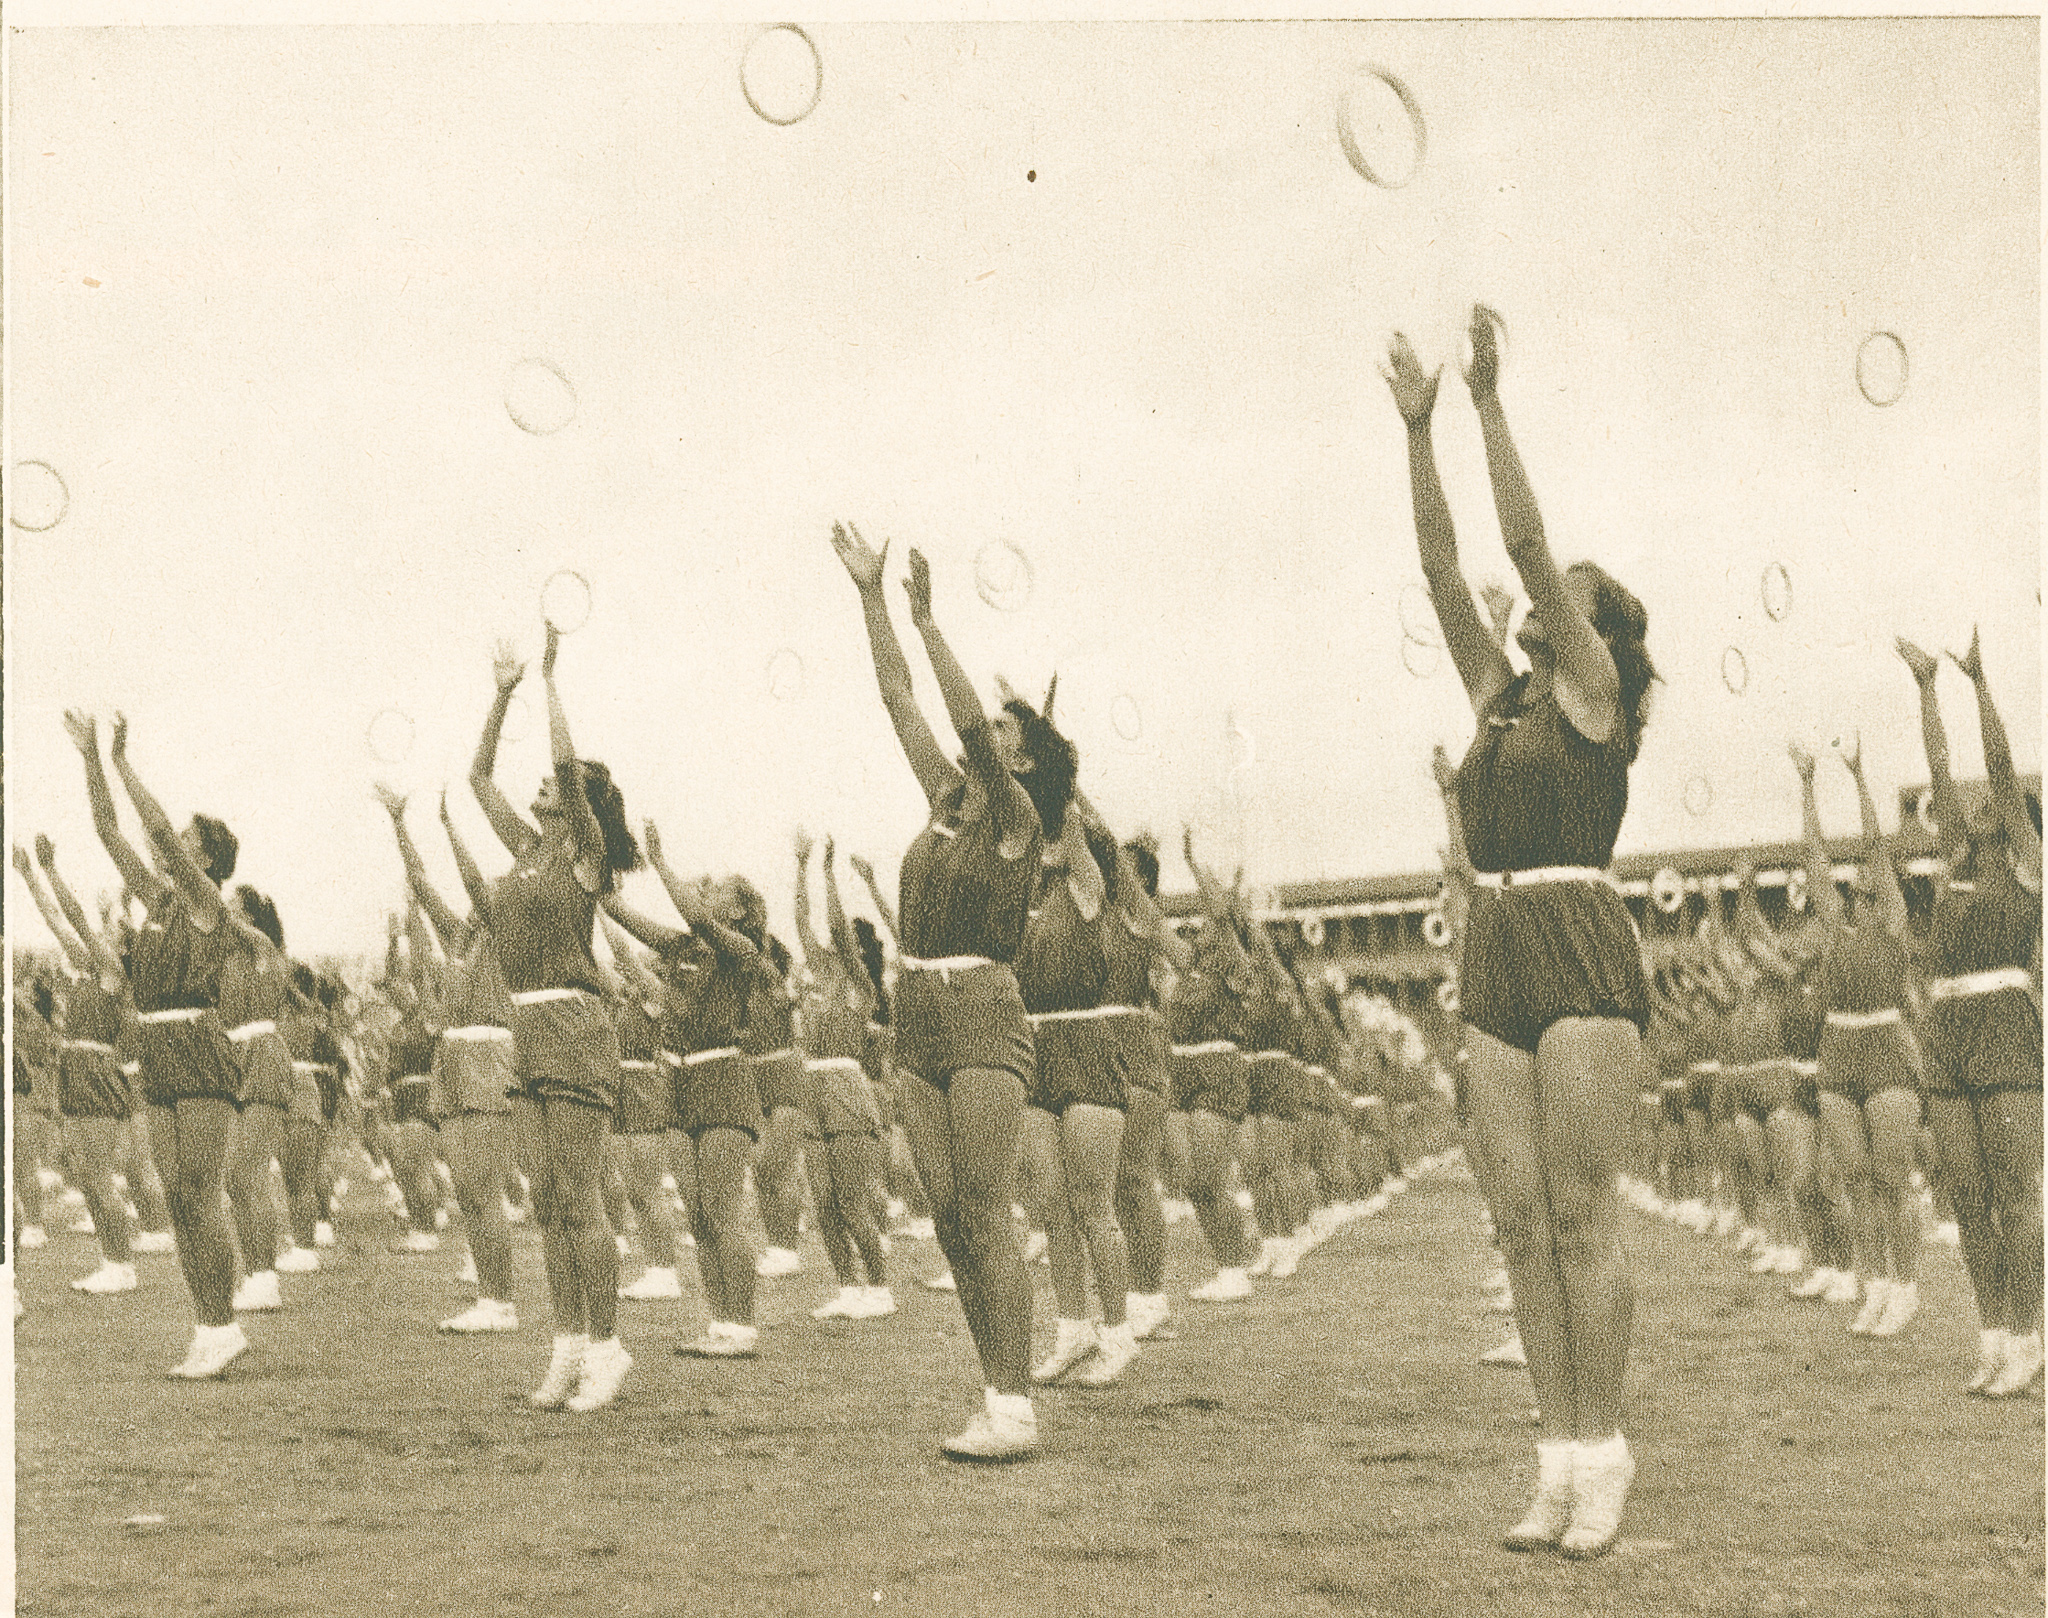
{"x":605,"y":1366}
{"x":1550,"y":1513}
{"x":565,"y":1367}
{"x":154,"y":1241}
{"x":1286,"y":1258}
{"x":1790,"y":1261}
{"x":842,"y":1305}
{"x":1115,"y":1348}
{"x":419,"y":1241}
{"x":919,"y":1230}
{"x":1990,"y":1358}
{"x":1899,"y":1309}
{"x":778,"y":1261}
{"x":1815,"y":1285}
{"x":1243,"y":1199}
{"x":1601,"y":1474}
{"x":466,"y":1275}
{"x":297,"y":1261}
{"x":2022,"y":1365}
{"x":1147,"y":1312}
{"x":655,"y":1283}
{"x":1262,"y":1266}
{"x":1509,"y":1355}
{"x":1765,"y":1262}
{"x":486,"y":1314}
{"x":1035,"y":1246}
{"x":1725,"y":1221}
{"x":1948,"y":1234}
{"x":109,"y":1277}
{"x":1225,"y":1286}
{"x":34,"y":1236}
{"x":71,"y":1197}
{"x":1876,"y":1295}
{"x":83,"y":1226}
{"x":1842,"y":1289}
{"x":514,"y":1213}
{"x":942,"y":1282}
{"x":724,"y":1340}
{"x":1176,"y":1210}
{"x":992,"y":1437}
{"x":1749,"y":1239}
{"x":258,"y":1292}
{"x":323,"y":1234}
{"x":1073,"y":1342}
{"x":875,"y":1302}
{"x":214,"y":1349}
{"x":440,"y":1218}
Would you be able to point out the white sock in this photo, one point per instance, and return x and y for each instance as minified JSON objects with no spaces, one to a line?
{"x":1010,"y":1407}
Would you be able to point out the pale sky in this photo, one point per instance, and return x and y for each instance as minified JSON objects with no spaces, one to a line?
{"x":267,"y":288}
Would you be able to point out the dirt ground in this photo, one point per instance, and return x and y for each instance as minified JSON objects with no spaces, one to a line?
{"x":1332,"y":1446}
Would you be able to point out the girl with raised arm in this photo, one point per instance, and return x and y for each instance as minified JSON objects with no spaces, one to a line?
{"x":768,"y":1041}
{"x":93,"y":1094}
{"x":639,"y":1144}
{"x":1982,"y":1081}
{"x":1552,"y":987}
{"x":963,"y":1045}
{"x":845,"y":1115}
{"x":190,"y":1075}
{"x":542,"y":913}
{"x":254,"y":992}
{"x":1869,"y":1061}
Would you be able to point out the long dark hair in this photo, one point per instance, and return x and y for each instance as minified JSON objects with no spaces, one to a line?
{"x":1055,"y":762}
{"x":1144,"y":852}
{"x":1622,"y":621}
{"x":262,"y":913}
{"x":608,"y":804}
{"x":869,"y":943}
{"x":218,"y":846}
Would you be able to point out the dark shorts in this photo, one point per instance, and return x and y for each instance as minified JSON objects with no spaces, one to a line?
{"x":475,"y":1070}
{"x":1760,"y":1088}
{"x":1144,"y":1055}
{"x":646,"y":1097}
{"x":1858,"y":1063}
{"x":783,"y":1081}
{"x":189,"y":1060}
{"x":90,"y":1084}
{"x":1080,"y":1060}
{"x":1983,"y":1042}
{"x":308,"y":1094}
{"x":266,"y":1070}
{"x":1210,"y":1077}
{"x":845,"y":1100}
{"x":412,"y":1100}
{"x":566,"y":1050}
{"x":947,"y":1022}
{"x":1273,"y":1086}
{"x":1537,"y":955}
{"x":716,"y":1090}
{"x":1700,"y":1082}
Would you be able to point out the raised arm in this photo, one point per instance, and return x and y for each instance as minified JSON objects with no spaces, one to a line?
{"x":1459,"y":876}
{"x":1480,"y":662}
{"x":473,"y":883}
{"x":1950,"y":831}
{"x":447,"y":925}
{"x":656,"y":935}
{"x":875,"y":895}
{"x":1216,"y":909}
{"x":1588,"y":688}
{"x":635,"y":972}
{"x":2020,"y":836}
{"x":1141,"y":911}
{"x":106,"y":958}
{"x":513,"y":831}
{"x":191,"y":881}
{"x":1011,"y":804}
{"x":1877,"y":854}
{"x":1753,"y":930}
{"x":74,"y":948}
{"x":135,"y":875}
{"x":728,"y":942}
{"x":806,"y":934}
{"x":837,"y":925}
{"x":593,"y":867}
{"x":1822,"y":897}
{"x":935,"y":773}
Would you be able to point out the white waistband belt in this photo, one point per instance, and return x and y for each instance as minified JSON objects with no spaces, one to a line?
{"x":1208,"y":1047}
{"x":1704,"y":1067}
{"x":1961,"y":887}
{"x":694,"y":1057}
{"x":477,"y":1033}
{"x":1806,"y":1070}
{"x":176,"y":1014}
{"x":99,"y":1046}
{"x":1318,"y":1072}
{"x":249,"y":1030}
{"x":671,"y":1058}
{"x":771,"y":1056}
{"x":634,"y":1064}
{"x":1096,"y":1012}
{"x":822,"y":1064}
{"x":1865,"y":1019}
{"x":131,"y":1068}
{"x":2004,"y":977}
{"x":533,"y":997}
{"x":1761,"y":1065}
{"x":312,"y":1067}
{"x":944,"y":964}
{"x":414,"y":1078}
{"x":1267,"y":1056}
{"x":1541,"y":874}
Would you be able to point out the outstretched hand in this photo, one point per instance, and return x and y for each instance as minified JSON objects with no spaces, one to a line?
{"x":803,"y":845}
{"x":863,"y":563}
{"x":117,"y":744}
{"x":21,"y":859}
{"x":919,"y":588}
{"x":1972,"y":661}
{"x":650,"y":839}
{"x":1443,"y":769}
{"x":394,"y":802}
{"x":1414,"y":388}
{"x":830,"y":853}
{"x":83,"y":729}
{"x":1919,"y":662}
{"x":1802,"y":760}
{"x":1852,"y":755}
{"x":506,"y":668}
{"x":1482,"y":376}
{"x":861,"y":867}
{"x":1500,"y":609}
{"x":547,"y":658}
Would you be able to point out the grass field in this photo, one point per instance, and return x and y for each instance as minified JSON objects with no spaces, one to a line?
{"x":1333,"y":1446}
